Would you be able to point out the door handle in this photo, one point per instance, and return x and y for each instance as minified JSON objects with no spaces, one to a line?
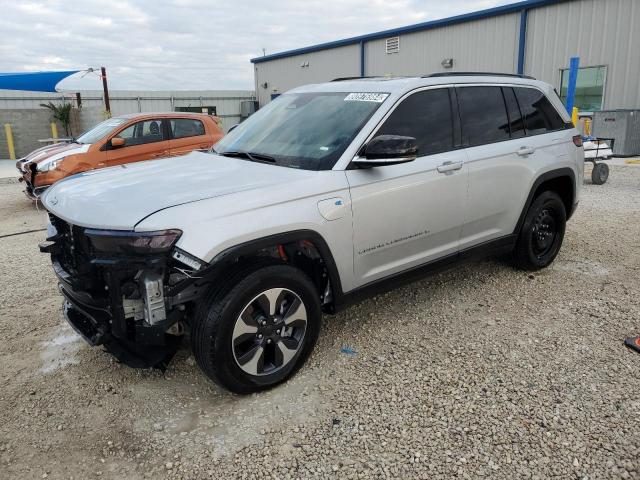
{"x":524,"y":151}
{"x":160,"y":154}
{"x":449,"y":167}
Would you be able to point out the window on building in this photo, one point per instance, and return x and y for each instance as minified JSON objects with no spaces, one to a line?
{"x":427,"y":117}
{"x":538,"y":113}
{"x":483,"y":115}
{"x":186,"y":127}
{"x":589,"y":88}
{"x":205,"y":110}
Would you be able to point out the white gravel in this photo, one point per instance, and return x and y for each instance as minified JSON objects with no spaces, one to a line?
{"x":483,"y":371}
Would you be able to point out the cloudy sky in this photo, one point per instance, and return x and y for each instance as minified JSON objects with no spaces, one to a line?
{"x":189,"y":44}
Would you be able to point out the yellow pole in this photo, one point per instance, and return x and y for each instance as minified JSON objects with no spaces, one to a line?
{"x":587,"y":127}
{"x":54,"y":130}
{"x":574,"y":116}
{"x":12,"y":151}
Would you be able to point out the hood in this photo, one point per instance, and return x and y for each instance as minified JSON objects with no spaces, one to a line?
{"x":120,"y":197}
{"x":56,"y":151}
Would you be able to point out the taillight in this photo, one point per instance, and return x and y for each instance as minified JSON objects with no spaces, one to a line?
{"x":577,"y":140}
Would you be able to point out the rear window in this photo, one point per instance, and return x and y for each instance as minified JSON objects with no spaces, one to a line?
{"x":483,"y":114}
{"x":538,"y":113}
{"x":186,"y":127}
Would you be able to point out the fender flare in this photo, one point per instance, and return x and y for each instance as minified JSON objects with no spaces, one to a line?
{"x":231,"y":254}
{"x":550,"y":175}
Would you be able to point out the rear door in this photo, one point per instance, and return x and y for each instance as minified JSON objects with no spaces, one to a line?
{"x":409,"y":214}
{"x":144,"y":140}
{"x":510,"y":133}
{"x":187,"y":134}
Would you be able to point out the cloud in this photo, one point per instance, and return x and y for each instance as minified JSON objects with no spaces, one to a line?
{"x":190,"y":44}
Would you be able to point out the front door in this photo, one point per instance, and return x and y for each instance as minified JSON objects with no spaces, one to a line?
{"x":410,"y":214}
{"x":144,"y":140}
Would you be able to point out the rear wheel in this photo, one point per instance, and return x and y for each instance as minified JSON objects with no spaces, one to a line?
{"x":542,"y":232}
{"x":600,"y":173}
{"x":259,"y":330}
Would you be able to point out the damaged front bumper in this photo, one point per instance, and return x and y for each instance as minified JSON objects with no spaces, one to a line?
{"x":132,"y":304}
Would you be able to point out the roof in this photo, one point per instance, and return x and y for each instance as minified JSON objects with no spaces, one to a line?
{"x":164,"y":115}
{"x":400,"y":85}
{"x":418,"y":27}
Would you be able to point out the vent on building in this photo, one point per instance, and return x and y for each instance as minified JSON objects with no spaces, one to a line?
{"x":393,"y":44}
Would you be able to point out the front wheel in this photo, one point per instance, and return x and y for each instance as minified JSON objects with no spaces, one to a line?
{"x":542,"y":232}
{"x":260,"y":330}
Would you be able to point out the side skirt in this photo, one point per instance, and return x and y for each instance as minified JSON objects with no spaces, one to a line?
{"x":492,"y":247}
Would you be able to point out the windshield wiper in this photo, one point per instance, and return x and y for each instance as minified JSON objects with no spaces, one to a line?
{"x":254,"y":157}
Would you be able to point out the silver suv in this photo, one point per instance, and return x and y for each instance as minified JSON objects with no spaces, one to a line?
{"x":329,"y":193}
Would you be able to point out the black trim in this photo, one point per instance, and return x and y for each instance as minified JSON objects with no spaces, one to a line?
{"x":492,"y":247}
{"x":230,"y":255}
{"x":553,"y":174}
{"x":457,"y":120}
{"x":477,"y":74}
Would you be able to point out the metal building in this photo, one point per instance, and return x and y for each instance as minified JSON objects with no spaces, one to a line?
{"x":226,"y":104}
{"x":533,"y":37}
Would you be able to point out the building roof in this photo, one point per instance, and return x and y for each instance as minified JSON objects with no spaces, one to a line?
{"x":467,"y":17}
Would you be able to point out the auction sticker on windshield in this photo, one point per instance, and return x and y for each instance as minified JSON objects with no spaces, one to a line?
{"x":366,"y":97}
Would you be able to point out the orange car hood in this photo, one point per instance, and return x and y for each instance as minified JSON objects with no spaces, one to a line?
{"x":55,"y":151}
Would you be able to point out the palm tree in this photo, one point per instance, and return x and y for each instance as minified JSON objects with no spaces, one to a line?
{"x":62,"y":113}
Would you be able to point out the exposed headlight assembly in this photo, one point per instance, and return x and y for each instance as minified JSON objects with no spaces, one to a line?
{"x":140,"y":243}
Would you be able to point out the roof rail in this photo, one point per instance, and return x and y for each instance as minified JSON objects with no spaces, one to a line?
{"x":343,"y":79}
{"x":477,"y":74}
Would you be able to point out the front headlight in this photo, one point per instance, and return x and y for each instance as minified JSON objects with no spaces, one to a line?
{"x":140,"y":243}
{"x":47,"y":166}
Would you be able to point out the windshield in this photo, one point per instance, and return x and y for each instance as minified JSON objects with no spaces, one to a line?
{"x":302,"y":130}
{"x":100,"y":130}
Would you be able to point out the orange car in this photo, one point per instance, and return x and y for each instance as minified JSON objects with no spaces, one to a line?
{"x":118,"y":140}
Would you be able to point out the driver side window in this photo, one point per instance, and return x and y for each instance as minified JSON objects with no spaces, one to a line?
{"x":148,"y":131}
{"x":427,"y":117}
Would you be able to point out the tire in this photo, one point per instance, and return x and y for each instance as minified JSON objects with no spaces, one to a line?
{"x":542,"y":232}
{"x":600,"y":173}
{"x":261,"y":349}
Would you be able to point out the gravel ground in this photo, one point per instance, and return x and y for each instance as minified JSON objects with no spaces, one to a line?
{"x":483,"y":371}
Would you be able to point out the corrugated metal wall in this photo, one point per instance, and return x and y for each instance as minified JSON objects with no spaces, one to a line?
{"x":600,"y":32}
{"x":490,"y":44}
{"x":284,"y":74}
{"x":227,"y":102}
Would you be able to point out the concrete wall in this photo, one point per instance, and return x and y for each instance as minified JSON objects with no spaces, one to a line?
{"x":284,"y":74}
{"x":483,"y":45}
{"x":227,"y":102}
{"x":600,"y":32}
{"x":30,"y":125}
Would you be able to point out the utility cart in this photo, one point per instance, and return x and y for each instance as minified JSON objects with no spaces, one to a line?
{"x":597,"y":149}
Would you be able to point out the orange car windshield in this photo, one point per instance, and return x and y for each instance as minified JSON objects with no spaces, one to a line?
{"x":100,"y":130}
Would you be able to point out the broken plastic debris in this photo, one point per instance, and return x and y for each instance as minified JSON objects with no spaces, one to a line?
{"x":348,"y":351}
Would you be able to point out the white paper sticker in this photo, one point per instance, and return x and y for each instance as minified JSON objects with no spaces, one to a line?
{"x":366,"y":97}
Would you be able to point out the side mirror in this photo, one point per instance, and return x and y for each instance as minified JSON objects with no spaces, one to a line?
{"x":232,"y":127}
{"x":388,"y":150}
{"x":117,"y":142}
